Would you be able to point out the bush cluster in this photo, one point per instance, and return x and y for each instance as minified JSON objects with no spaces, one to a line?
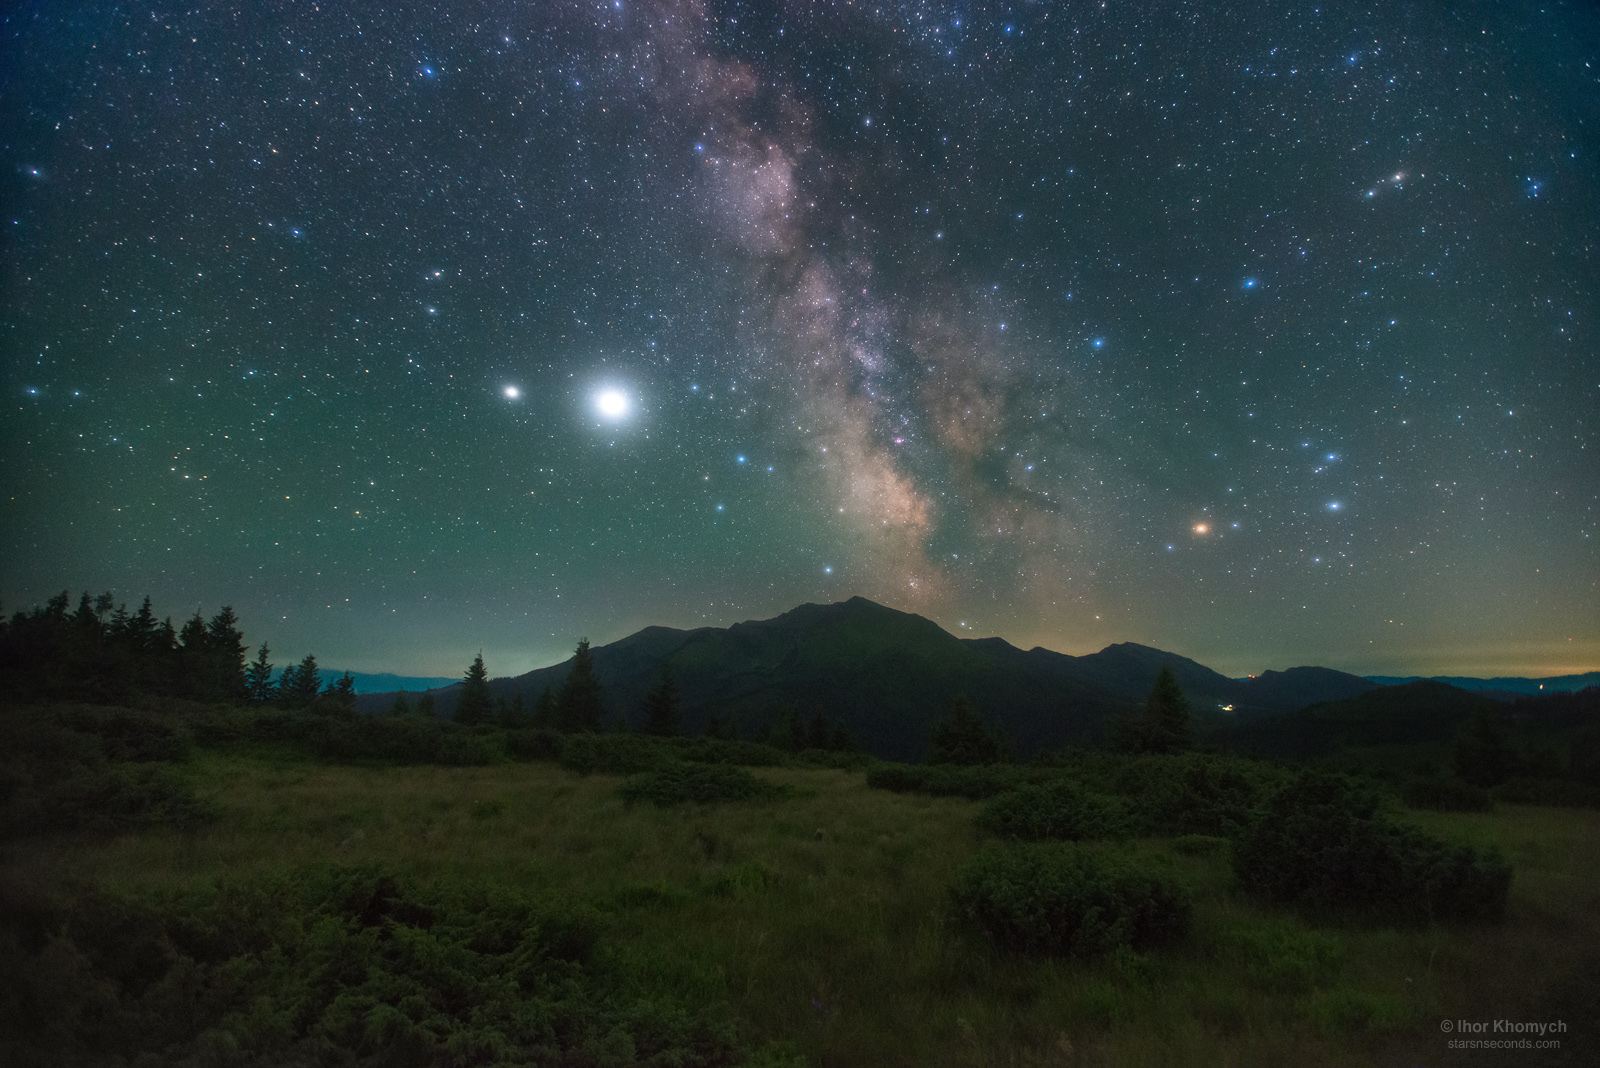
{"x":1322,"y":843}
{"x":335,"y":967}
{"x":1069,"y":900}
{"x":84,"y":768}
{"x":701,"y":783}
{"x":1060,"y":810}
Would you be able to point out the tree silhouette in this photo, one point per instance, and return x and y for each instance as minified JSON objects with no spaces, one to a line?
{"x":1163,"y":726}
{"x":425,"y":705}
{"x":578,"y":705}
{"x":300,"y":684}
{"x":961,"y":737}
{"x":258,"y":685}
{"x":342,"y":692}
{"x":661,"y":706}
{"x":401,"y":706}
{"x":474,"y":704}
{"x":544,"y":709}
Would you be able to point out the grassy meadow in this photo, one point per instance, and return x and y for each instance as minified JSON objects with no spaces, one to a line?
{"x":822,"y":919}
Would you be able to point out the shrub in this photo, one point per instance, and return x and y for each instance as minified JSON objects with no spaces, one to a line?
{"x":618,"y":754}
{"x":334,"y":967}
{"x":1446,"y":795}
{"x":700,"y":783}
{"x":729,"y":751}
{"x":1322,"y":843}
{"x":1057,"y":810}
{"x":1068,"y":900}
{"x":535,"y":744}
{"x":1194,"y":793}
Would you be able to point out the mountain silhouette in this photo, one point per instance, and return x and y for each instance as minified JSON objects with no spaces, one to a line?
{"x":889,"y":675}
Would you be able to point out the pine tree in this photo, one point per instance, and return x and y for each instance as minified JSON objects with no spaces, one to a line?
{"x":225,"y":651}
{"x":1166,"y":715}
{"x":514,"y":713}
{"x":544,"y":709}
{"x":301,"y":683}
{"x":661,"y":706}
{"x":425,"y":705}
{"x":258,"y":685}
{"x":961,"y":737}
{"x":401,"y":706}
{"x":578,"y":705}
{"x":342,"y":692}
{"x":473,"y":704}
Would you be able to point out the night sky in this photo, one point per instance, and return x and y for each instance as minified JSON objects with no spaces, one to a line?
{"x":1266,"y":335}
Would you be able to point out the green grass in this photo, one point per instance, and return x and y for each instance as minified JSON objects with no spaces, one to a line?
{"x":823,"y":919}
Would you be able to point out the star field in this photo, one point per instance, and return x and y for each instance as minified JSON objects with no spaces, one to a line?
{"x":1266,"y":337}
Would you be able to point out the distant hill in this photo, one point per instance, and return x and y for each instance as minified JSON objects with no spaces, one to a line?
{"x":1501,"y":688}
{"x":387,"y":682}
{"x":889,"y":675}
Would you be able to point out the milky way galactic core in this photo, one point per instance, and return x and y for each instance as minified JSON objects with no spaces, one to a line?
{"x":1266,"y":336}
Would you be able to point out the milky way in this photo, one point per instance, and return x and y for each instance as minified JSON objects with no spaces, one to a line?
{"x":1267,"y":337}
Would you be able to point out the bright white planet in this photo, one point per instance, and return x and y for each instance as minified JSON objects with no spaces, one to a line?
{"x":512,"y":392}
{"x":613,"y":404}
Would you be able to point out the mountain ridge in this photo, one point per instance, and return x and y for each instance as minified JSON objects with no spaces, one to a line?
{"x":889,"y":675}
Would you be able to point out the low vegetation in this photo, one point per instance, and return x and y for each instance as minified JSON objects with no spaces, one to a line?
{"x":236,"y":882}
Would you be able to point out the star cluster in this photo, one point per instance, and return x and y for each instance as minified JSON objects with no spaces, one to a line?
{"x":1264,"y":336}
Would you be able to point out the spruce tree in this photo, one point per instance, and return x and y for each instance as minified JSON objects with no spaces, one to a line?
{"x":544,"y":709}
{"x":474,"y":705}
{"x":225,"y":651}
{"x":425,"y":705}
{"x":301,"y":683}
{"x":342,"y":692}
{"x":661,"y":706}
{"x":258,"y":685}
{"x":578,"y":705}
{"x":1166,"y":715}
{"x":961,"y":737}
{"x":401,"y":706}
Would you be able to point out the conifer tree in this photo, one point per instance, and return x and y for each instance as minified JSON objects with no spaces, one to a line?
{"x":578,"y":705}
{"x":661,"y":706}
{"x":301,"y":683}
{"x":544,"y":709}
{"x":714,"y":726}
{"x":342,"y":692}
{"x":225,"y":651}
{"x":258,"y":685}
{"x":961,"y":737}
{"x":473,"y":704}
{"x":513,"y":713}
{"x":1166,"y":715}
{"x":401,"y":706}
{"x":425,"y":705}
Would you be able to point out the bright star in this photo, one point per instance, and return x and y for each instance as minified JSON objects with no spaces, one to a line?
{"x":613,"y":404}
{"x":512,"y":392}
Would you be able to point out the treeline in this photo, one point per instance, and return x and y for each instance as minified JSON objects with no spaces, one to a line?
{"x":101,"y":652}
